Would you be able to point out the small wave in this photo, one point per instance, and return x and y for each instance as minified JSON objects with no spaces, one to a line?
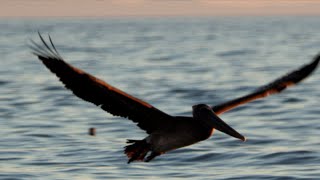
{"x":292,"y":100}
{"x":269,"y":177}
{"x":30,"y":126}
{"x":292,"y":157}
{"x":86,"y":49}
{"x":18,"y":176}
{"x":44,"y":163}
{"x":10,"y":159}
{"x":205,"y":157}
{"x":148,"y":38}
{"x":3,"y":82}
{"x":281,"y":154}
{"x":166,"y":57}
{"x":40,"y":135}
{"x":161,"y":58}
{"x":235,"y":52}
{"x":53,"y":88}
{"x":185,"y":92}
{"x":22,"y":103}
{"x":262,"y":141}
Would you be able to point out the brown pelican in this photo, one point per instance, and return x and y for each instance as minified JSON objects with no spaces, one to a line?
{"x":166,"y":132}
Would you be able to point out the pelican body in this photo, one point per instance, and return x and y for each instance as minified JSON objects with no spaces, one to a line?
{"x":183,"y":132}
{"x":165,"y":132}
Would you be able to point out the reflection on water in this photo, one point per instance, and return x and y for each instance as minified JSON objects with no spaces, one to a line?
{"x":173,"y":64}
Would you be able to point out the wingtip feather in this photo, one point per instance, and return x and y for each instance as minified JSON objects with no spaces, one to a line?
{"x":44,"y":51}
{"x":316,"y":60}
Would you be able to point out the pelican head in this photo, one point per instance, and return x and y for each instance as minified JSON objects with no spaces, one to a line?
{"x":204,"y":113}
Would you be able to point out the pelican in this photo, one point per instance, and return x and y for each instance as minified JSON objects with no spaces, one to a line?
{"x":165,"y":132}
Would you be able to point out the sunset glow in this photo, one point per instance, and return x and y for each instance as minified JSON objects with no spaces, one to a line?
{"x":124,"y":8}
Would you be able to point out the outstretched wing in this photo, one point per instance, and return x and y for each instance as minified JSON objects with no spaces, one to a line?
{"x":274,"y":87}
{"x":100,"y":93}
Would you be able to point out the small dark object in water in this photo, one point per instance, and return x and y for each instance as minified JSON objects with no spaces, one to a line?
{"x":166,"y":132}
{"x":92,"y":131}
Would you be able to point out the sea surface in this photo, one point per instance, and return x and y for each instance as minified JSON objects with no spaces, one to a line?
{"x":172,"y":63}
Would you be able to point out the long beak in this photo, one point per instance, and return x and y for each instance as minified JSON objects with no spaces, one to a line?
{"x":220,"y":125}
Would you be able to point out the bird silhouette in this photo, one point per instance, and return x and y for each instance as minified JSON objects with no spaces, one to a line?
{"x":165,"y":132}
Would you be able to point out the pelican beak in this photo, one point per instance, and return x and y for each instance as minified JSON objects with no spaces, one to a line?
{"x":220,"y":125}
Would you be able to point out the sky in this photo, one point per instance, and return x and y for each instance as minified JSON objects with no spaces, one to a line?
{"x":149,"y":8}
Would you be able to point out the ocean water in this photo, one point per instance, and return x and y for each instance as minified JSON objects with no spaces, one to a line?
{"x":172,"y":63}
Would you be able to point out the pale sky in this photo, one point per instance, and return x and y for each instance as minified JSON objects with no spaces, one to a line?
{"x":123,"y":8}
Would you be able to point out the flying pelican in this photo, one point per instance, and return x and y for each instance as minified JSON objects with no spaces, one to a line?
{"x":165,"y":132}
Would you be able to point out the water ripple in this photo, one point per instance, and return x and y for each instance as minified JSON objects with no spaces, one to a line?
{"x":242,"y":52}
{"x":173,"y":64}
{"x":291,"y":157}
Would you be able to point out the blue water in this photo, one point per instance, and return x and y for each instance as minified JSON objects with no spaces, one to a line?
{"x":172,"y":64}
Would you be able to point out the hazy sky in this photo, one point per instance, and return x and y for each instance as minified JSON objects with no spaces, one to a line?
{"x":116,"y":8}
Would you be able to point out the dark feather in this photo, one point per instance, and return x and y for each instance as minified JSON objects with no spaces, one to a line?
{"x":274,"y":87}
{"x":100,"y":93}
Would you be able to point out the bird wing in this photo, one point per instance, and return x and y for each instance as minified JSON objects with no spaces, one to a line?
{"x":100,"y":93}
{"x":274,"y":87}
